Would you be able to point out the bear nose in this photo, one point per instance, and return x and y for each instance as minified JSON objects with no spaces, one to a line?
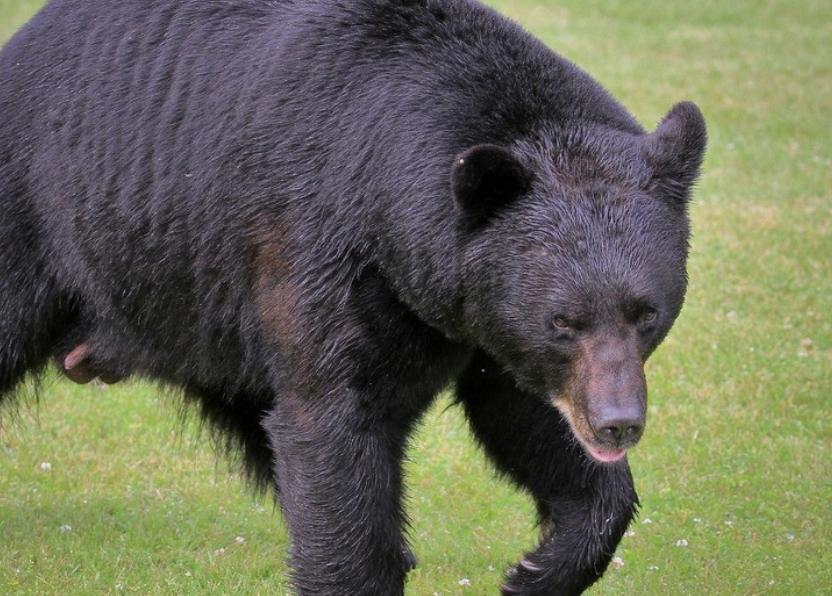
{"x":619,"y":427}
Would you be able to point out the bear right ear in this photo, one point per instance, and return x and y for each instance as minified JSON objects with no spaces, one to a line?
{"x":485,"y":179}
{"x":676,"y":149}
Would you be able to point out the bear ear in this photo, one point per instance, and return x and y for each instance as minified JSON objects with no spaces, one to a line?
{"x":485,"y":179}
{"x":675,"y":151}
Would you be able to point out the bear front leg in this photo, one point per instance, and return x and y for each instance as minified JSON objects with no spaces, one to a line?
{"x":339,"y":478}
{"x":584,"y":507}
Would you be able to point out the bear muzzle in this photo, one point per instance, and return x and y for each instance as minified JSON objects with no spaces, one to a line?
{"x":606,"y":401}
{"x":615,"y":430}
{"x":606,"y":437}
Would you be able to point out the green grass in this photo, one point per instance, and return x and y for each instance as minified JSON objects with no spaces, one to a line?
{"x":736,"y":461}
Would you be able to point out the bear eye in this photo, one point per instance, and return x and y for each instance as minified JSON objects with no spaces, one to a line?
{"x":648,"y":316}
{"x":561,"y":323}
{"x":565,"y":329}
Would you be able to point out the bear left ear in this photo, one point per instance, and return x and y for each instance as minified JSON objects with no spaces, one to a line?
{"x":675,"y":151}
{"x":485,"y":179}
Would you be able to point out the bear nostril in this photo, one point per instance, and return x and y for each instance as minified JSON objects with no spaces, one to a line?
{"x":619,"y":432}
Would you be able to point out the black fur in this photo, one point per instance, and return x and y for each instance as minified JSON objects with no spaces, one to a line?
{"x":584,"y":508}
{"x":263,"y":203}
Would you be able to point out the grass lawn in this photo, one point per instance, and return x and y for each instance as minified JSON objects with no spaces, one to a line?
{"x":107,"y":491}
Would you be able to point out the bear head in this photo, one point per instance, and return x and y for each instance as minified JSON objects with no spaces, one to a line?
{"x":575,"y":263}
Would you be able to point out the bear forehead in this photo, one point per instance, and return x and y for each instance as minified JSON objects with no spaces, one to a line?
{"x":587,"y":156}
{"x":621,"y":243}
{"x":580,"y":220}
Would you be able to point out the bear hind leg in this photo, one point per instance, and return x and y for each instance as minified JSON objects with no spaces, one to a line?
{"x":32,"y":315}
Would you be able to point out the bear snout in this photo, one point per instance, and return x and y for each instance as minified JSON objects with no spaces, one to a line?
{"x":618,"y":427}
{"x":605,"y":401}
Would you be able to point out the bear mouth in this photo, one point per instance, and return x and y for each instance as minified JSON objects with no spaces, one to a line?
{"x":585,"y":437}
{"x":604,"y":456}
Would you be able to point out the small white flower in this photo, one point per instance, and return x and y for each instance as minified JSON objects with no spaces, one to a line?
{"x":65,"y":528}
{"x":618,"y":562}
{"x":647,"y":520}
{"x":465,"y":582}
{"x":629,"y":534}
{"x":219,"y":552}
{"x":682,"y":542}
{"x":239,"y":540}
{"x":652,"y":568}
{"x":45,"y":466}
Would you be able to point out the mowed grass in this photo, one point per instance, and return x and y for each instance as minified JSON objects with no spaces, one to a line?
{"x":107,"y":491}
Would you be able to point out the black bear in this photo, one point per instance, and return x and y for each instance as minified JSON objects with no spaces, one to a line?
{"x":315,"y":216}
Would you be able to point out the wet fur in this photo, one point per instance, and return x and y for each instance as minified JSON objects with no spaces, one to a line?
{"x":288,"y":210}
